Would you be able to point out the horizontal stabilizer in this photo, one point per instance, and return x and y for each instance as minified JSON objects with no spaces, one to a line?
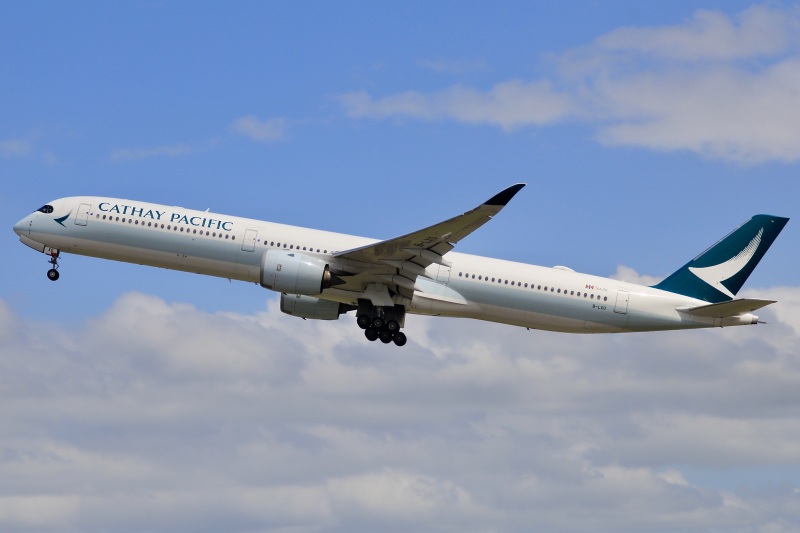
{"x":727,"y":309}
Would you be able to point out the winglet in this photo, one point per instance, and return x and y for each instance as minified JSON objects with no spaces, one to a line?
{"x":505,"y":196}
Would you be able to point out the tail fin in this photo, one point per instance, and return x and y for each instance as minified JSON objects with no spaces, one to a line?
{"x":717,"y":274}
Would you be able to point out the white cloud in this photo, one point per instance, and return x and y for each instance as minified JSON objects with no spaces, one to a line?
{"x":625,"y":273}
{"x":720,"y":86}
{"x":719,"y":111}
{"x":509,"y":105}
{"x":133,"y":154}
{"x":259,"y":130}
{"x":710,"y":35}
{"x":15,"y":147}
{"x":159,"y":416}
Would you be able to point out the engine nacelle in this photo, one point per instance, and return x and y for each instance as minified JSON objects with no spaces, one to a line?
{"x":293,"y":272}
{"x":310,"y":307}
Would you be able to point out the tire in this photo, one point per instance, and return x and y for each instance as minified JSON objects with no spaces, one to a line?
{"x":371,"y":334}
{"x":385,"y":336}
{"x":52,"y":274}
{"x":400,"y":338}
{"x":363,"y":321}
{"x":393,"y":326}
{"x":377,"y":322}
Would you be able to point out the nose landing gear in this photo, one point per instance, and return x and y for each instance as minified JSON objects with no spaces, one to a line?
{"x":381,"y":322}
{"x":52,"y":274}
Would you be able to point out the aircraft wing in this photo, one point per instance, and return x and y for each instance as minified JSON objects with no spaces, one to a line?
{"x":396,"y":263}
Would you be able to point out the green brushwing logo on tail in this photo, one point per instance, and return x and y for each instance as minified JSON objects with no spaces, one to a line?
{"x":717,"y":274}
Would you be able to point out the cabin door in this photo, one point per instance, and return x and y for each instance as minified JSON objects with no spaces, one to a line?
{"x":621,"y":306}
{"x":82,"y":218}
{"x":249,"y":241}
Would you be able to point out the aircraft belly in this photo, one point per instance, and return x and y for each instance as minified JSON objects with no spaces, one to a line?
{"x":534,"y":309}
{"x":201,"y":257}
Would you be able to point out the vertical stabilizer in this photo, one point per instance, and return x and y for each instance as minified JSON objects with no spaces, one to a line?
{"x":717,"y":274}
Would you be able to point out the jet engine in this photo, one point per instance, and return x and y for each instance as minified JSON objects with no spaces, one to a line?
{"x":293,"y":272}
{"x":310,"y":307}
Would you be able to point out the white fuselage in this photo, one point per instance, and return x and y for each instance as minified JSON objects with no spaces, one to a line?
{"x":530,"y":296}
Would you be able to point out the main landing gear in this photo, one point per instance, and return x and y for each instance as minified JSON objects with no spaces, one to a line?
{"x":52,"y":274}
{"x":382,"y":323}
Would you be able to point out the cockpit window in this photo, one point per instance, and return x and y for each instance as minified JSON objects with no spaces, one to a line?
{"x":46,"y":209}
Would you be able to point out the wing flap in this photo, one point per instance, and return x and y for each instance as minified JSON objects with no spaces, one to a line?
{"x":727,"y":309}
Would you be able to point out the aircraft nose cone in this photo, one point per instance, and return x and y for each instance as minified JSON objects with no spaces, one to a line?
{"x":22,"y":226}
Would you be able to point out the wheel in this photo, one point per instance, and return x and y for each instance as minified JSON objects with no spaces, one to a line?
{"x":400,"y":338}
{"x":386,"y":336}
{"x":52,"y":274}
{"x":363,"y":321}
{"x":377,"y":322}
{"x":392,"y":326}
{"x":371,"y":334}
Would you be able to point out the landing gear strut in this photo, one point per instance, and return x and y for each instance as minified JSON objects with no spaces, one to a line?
{"x":52,"y":274}
{"x":381,"y":322}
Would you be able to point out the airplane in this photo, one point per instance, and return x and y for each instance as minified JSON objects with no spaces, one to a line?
{"x":323,"y":275}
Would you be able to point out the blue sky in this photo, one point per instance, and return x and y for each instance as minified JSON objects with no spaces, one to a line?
{"x":645,"y":132}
